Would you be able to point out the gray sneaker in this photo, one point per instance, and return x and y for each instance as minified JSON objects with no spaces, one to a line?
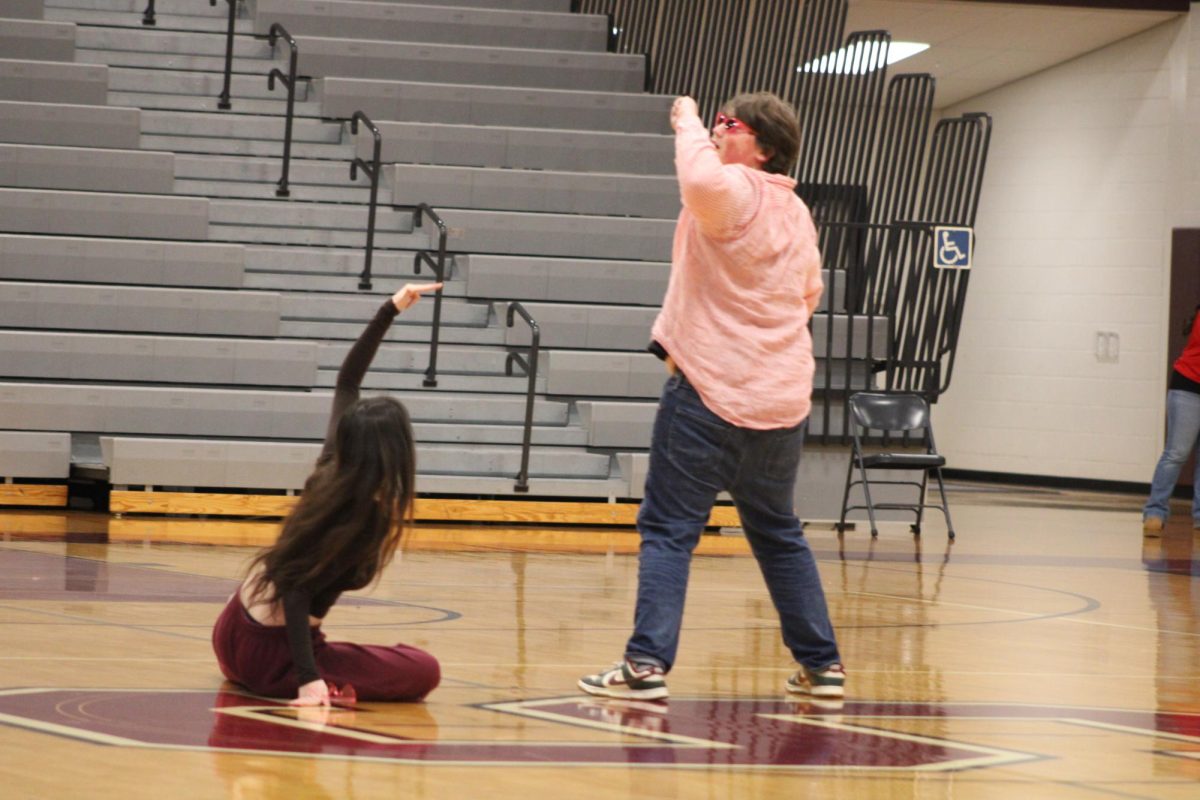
{"x":627,"y":680}
{"x":828,"y":681}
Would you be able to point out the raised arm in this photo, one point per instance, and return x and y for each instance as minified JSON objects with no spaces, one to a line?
{"x":722,"y":197}
{"x":359,"y":359}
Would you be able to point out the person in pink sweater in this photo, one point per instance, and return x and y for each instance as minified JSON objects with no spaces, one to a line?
{"x":734,"y":333}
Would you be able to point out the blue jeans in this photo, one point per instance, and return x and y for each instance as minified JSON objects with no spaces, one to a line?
{"x":694,"y":455}
{"x":1183,"y":429}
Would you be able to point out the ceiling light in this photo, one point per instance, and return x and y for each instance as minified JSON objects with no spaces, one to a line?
{"x":862,"y":57}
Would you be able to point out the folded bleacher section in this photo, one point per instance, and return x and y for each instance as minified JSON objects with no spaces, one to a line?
{"x":178,"y":324}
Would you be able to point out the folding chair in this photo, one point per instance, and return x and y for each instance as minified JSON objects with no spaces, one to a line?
{"x":895,"y":413}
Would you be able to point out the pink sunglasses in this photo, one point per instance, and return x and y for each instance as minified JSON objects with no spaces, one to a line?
{"x":733,"y":123}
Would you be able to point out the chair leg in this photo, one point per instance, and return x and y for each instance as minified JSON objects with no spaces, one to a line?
{"x":841,"y":526}
{"x":916,"y":527}
{"x":870,"y":504}
{"x":945,"y":505}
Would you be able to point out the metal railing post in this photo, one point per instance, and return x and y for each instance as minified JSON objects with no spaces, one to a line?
{"x":439,"y":269}
{"x":148,"y":14}
{"x":372,"y":170}
{"x":289,"y":81}
{"x":530,"y":367}
{"x":223,"y":101}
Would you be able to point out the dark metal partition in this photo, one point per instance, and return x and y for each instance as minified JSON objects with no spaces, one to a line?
{"x":876,"y":181}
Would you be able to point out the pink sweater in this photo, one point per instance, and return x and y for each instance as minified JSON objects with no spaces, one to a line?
{"x":745,"y":278}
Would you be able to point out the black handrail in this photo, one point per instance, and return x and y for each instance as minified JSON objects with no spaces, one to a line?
{"x":148,"y":14}
{"x":530,"y":367}
{"x":289,"y":81}
{"x":372,"y":170}
{"x":223,"y":101}
{"x":439,"y":269}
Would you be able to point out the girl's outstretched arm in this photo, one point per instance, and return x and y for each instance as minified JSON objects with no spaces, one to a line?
{"x":359,"y":359}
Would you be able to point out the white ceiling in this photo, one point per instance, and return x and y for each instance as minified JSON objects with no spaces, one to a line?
{"x":976,"y":46}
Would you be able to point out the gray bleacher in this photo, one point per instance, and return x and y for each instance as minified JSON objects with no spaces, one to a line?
{"x":22,"y":9}
{"x":276,"y":465}
{"x":472,"y":65}
{"x":234,"y":413}
{"x":185,"y":50}
{"x":565,"y":280}
{"x":171,"y":14}
{"x":552,"y":170}
{"x":156,"y":359}
{"x":538,"y":190}
{"x":50,"y":306}
{"x":52,"y":82}
{"x":461,"y":104}
{"x":577,"y":235}
{"x":522,"y":148}
{"x":103,"y":214}
{"x":559,"y":6}
{"x":69,"y":125}
{"x":426,"y":23}
{"x":139,"y":263}
{"x":34,"y":454}
{"x":233,"y":176}
{"x":37,"y":40}
{"x":91,"y":169}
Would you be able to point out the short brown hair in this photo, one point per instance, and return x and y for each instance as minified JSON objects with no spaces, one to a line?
{"x":776,"y":126}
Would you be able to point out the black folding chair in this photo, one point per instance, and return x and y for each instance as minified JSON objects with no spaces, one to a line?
{"x":893,"y":413}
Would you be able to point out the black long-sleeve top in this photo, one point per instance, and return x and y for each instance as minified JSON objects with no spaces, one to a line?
{"x":300,"y":603}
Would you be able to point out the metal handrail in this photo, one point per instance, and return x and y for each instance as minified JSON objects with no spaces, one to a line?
{"x":530,"y":367}
{"x":289,"y":81}
{"x":148,"y":14}
{"x":372,"y":170}
{"x":439,"y":269}
{"x":223,"y":101}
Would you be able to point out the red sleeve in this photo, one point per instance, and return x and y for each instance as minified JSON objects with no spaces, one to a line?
{"x":1188,"y":363}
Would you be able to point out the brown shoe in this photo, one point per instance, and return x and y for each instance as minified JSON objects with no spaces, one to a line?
{"x":1152,"y":526}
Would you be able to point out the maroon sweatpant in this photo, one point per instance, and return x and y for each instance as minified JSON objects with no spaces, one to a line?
{"x":257,"y":656}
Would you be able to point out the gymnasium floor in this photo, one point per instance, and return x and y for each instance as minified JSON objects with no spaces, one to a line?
{"x":1051,"y":652}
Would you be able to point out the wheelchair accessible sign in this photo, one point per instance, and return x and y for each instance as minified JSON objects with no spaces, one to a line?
{"x":952,"y":247}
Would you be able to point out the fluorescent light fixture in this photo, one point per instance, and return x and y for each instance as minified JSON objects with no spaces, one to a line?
{"x":862,"y":57}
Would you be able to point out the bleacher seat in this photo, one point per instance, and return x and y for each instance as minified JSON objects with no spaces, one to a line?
{"x":103,"y":214}
{"x":135,"y":262}
{"x":52,"y":82}
{"x":421,"y":23}
{"x":91,"y":169}
{"x":69,"y":125}
{"x":37,"y":40}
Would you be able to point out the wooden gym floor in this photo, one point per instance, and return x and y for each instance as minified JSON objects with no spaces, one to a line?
{"x":1051,"y":652}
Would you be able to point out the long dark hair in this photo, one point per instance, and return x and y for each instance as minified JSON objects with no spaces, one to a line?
{"x":348,"y":522}
{"x":1187,"y":329}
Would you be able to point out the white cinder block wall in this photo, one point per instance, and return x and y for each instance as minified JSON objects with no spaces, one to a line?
{"x":1092,"y":163}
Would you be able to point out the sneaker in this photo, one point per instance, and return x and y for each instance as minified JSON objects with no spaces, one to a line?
{"x":827,"y":682}
{"x":627,"y":680}
{"x":1152,"y":526}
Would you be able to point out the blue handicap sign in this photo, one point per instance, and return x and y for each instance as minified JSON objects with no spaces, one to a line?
{"x":952,"y":247}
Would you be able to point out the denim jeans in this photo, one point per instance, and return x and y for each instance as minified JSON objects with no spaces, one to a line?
{"x":1183,"y":428}
{"x":694,"y":455}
